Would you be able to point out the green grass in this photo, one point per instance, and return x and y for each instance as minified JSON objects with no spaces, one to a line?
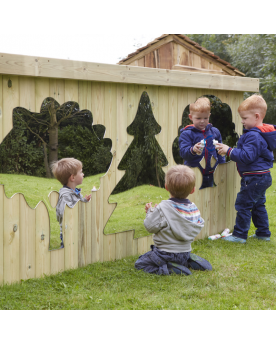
{"x":243,"y":277}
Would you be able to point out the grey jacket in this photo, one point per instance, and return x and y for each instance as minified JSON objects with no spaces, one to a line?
{"x":66,"y":197}
{"x":173,"y":233}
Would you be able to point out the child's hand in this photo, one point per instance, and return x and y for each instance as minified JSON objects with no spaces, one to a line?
{"x":88,"y":197}
{"x":197,"y":149}
{"x":149,"y":205}
{"x":222,"y":149}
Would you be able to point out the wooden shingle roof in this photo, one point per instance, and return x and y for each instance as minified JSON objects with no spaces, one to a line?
{"x":189,"y":41}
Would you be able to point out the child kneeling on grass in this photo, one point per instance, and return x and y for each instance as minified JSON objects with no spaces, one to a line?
{"x":254,"y":158}
{"x":175,"y":223}
{"x":68,"y":171}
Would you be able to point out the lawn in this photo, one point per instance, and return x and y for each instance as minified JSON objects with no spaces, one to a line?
{"x":243,"y":277}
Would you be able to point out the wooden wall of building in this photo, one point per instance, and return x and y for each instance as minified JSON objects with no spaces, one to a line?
{"x":24,"y":253}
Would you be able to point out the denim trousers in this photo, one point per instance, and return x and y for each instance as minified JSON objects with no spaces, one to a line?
{"x":250,"y":203}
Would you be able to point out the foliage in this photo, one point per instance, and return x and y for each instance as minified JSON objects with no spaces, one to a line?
{"x":27,"y":147}
{"x":144,"y":159}
{"x":21,"y":153}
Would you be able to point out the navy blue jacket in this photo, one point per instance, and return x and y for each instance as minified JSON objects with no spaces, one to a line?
{"x":254,"y":150}
{"x":189,"y":137}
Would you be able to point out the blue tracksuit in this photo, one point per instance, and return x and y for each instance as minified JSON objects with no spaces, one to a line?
{"x":188,"y":138}
{"x":254,"y":158}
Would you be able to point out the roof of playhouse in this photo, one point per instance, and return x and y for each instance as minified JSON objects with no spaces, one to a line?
{"x":178,"y":52}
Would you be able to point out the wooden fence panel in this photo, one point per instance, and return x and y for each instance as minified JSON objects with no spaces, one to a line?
{"x":42,"y":240}
{"x":109,"y":247}
{"x":11,"y":239}
{"x":2,"y":196}
{"x":1,"y":111}
{"x":57,"y":261}
{"x":10,"y":101}
{"x":27,"y":93}
{"x":121,"y":241}
{"x":53,"y":198}
{"x":42,"y":91}
{"x":27,"y":243}
{"x":70,"y":231}
{"x":71,"y":90}
{"x":57,"y":90}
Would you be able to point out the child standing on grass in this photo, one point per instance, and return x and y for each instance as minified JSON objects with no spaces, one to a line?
{"x":68,"y":171}
{"x":175,"y":223}
{"x":254,"y":158}
{"x":191,"y":136}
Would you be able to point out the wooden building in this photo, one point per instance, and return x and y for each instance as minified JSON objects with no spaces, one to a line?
{"x":178,"y":52}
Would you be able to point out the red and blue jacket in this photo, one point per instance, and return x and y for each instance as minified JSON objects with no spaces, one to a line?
{"x":189,"y":137}
{"x":253,"y":154}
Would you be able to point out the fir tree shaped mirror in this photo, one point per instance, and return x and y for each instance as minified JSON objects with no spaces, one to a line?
{"x":38,"y":139}
{"x":144,"y":179}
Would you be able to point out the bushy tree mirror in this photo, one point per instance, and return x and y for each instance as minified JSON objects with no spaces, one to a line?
{"x":38,"y":139}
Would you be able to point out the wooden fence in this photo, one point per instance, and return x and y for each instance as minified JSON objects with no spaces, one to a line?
{"x":25,"y":232}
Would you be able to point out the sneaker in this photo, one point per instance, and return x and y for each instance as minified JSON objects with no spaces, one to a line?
{"x":234,"y":239}
{"x":178,"y":269}
{"x":267,"y":239}
{"x":197,"y":263}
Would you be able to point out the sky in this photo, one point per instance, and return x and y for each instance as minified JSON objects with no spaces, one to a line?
{"x":107,"y":31}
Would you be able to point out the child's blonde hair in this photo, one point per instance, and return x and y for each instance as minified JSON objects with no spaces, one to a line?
{"x":255,"y":103}
{"x":180,"y":181}
{"x":64,"y":168}
{"x":202,"y":105}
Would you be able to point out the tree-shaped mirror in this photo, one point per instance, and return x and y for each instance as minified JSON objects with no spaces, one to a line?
{"x":38,"y":139}
{"x":144,"y":179}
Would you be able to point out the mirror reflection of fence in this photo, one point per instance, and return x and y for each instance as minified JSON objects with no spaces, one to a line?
{"x":144,"y":179}
{"x":38,"y":139}
{"x":221,"y":118}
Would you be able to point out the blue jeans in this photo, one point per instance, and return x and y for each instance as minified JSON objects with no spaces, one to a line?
{"x":251,"y":203}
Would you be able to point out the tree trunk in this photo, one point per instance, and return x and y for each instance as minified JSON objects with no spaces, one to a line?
{"x":47,"y":168}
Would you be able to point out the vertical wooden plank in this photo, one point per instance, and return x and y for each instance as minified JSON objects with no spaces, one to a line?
{"x":163,"y":120}
{"x":129,"y":243}
{"x":88,"y":233}
{"x":98,"y":111}
{"x":97,"y":235}
{"x":27,"y":93}
{"x":42,"y":91}
{"x":11,"y":239}
{"x":150,"y":241}
{"x":166,"y":56}
{"x":182,"y":102}
{"x":2,"y":234}
{"x":109,"y":247}
{"x":150,"y":60}
{"x":1,"y":111}
{"x":57,"y":90}
{"x":141,"y":62}
{"x":10,"y":101}
{"x":135,"y":246}
{"x":196,"y":62}
{"x":221,"y":179}
{"x":142,"y":245}
{"x":71,"y":92}
{"x":57,"y":260}
{"x":53,"y":198}
{"x":121,"y":245}
{"x":184,"y":56}
{"x":70,"y":230}
{"x":172,"y":121}
{"x":85,"y":95}
{"x":27,"y":239}
{"x":122,"y":137}
{"x":82,"y":230}
{"x":42,"y":239}
{"x":94,"y":226}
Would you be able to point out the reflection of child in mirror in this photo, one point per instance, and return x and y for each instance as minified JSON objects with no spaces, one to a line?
{"x":175,"y":223}
{"x":254,"y":158}
{"x":190,"y":145}
{"x":68,"y":171}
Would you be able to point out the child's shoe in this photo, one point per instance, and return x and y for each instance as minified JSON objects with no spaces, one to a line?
{"x":234,"y":239}
{"x":178,"y":269}
{"x":197,"y":263}
{"x":267,"y":239}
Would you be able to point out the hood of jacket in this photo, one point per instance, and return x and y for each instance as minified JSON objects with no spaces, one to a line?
{"x":268,"y":132}
{"x":192,"y":128}
{"x":182,"y":229}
